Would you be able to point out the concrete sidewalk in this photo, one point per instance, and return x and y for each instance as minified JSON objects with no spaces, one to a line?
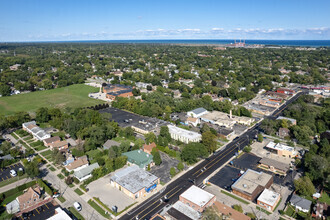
{"x":14,"y":185}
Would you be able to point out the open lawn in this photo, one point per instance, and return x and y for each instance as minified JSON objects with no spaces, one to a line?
{"x":71,"y":96}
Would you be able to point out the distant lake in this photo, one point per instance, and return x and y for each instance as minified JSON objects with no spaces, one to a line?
{"x":310,"y":43}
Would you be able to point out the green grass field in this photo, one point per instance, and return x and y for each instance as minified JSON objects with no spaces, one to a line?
{"x":71,"y":96}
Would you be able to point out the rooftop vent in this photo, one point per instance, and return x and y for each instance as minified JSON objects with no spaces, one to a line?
{"x":244,"y":185}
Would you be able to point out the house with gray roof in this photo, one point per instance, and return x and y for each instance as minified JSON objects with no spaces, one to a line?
{"x":109,"y":143}
{"x":197,"y":113}
{"x":301,"y":204}
{"x":85,"y":172}
{"x":134,"y":181}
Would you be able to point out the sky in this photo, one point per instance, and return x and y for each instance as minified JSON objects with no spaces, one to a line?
{"x":68,"y":20}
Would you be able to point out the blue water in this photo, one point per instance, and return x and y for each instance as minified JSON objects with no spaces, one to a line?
{"x":310,"y":43}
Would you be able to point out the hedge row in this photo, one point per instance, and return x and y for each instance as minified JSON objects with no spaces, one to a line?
{"x":47,"y":189}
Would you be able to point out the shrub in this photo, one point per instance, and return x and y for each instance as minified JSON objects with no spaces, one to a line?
{"x":180,"y":166}
{"x":238,"y":208}
{"x":47,"y":189}
{"x":75,"y":180}
{"x":247,"y":149}
{"x":69,"y":180}
{"x":172,"y":171}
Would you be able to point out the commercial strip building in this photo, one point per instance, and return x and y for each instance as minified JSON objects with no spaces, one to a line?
{"x":139,"y":158}
{"x":268,"y":199}
{"x":134,"y":181}
{"x":197,"y":198}
{"x":281,"y":149}
{"x":224,"y":119}
{"x":251,"y":184}
{"x":274,"y":165}
{"x":37,"y":132}
{"x":183,"y":135}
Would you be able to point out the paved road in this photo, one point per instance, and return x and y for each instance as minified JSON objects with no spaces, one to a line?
{"x":201,"y":171}
{"x":87,"y":211}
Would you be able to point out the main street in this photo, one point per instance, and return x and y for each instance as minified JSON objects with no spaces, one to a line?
{"x":201,"y":171}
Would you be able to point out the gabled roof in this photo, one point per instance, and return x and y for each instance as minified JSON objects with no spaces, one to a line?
{"x":86,"y":171}
{"x":149,"y":147}
{"x":226,"y":210}
{"x":80,"y":161}
{"x":52,"y":139}
{"x":198,"y":110}
{"x":31,"y":193}
{"x":59,"y":144}
{"x":300,"y":202}
{"x":109,"y":143}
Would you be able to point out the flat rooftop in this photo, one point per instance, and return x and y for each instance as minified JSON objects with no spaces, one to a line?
{"x":186,"y":210}
{"x":274,"y":163}
{"x":250,"y":180}
{"x":183,"y":132}
{"x":134,"y":178}
{"x":279,"y":146}
{"x":197,"y":195}
{"x":269,"y":197}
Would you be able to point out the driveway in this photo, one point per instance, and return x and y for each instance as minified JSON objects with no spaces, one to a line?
{"x":163,"y":170}
{"x":109,"y":195}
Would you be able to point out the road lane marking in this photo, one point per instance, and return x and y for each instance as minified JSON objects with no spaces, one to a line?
{"x":175,"y":193}
{"x":151,"y":210}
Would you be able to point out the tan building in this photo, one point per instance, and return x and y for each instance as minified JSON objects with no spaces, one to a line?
{"x":197,"y":198}
{"x":269,"y":199}
{"x":281,"y":149}
{"x":134,"y":182}
{"x":251,"y":184}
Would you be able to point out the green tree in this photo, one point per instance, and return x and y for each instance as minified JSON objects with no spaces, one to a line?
{"x":156,"y":157}
{"x":209,"y":140}
{"x":150,"y":137}
{"x":180,"y":166}
{"x":260,"y":138}
{"x":304,"y":186}
{"x":192,"y":151}
{"x":4,"y":90}
{"x":32,"y":169}
{"x":42,"y":115}
{"x":172,"y":172}
{"x":238,"y":208}
{"x":164,"y":132}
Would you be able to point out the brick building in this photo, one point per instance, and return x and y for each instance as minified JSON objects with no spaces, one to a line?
{"x":251,"y":184}
{"x":197,"y":198}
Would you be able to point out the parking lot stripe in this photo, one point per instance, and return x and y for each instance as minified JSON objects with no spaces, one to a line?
{"x":21,"y":217}
{"x":2,"y":179}
{"x":7,"y":177}
{"x":37,"y":211}
{"x":46,"y":206}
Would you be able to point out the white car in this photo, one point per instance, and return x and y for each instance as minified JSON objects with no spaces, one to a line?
{"x":13,"y":173}
{"x":77,"y":206}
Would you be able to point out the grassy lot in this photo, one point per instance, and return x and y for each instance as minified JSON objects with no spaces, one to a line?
{"x":61,"y":198}
{"x":98,"y":209}
{"x":40,"y":147}
{"x":71,"y":96}
{"x":76,"y":213}
{"x":46,"y":153}
{"x":60,"y":176}
{"x":264,"y":210}
{"x":325,"y":198}
{"x":52,"y":169}
{"x":78,"y":191}
{"x":235,"y":197}
{"x":12,"y":180}
{"x":15,"y":136}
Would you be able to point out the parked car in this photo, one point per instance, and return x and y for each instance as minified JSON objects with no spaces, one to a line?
{"x":77,"y":206}
{"x":13,"y":173}
{"x":56,"y":194}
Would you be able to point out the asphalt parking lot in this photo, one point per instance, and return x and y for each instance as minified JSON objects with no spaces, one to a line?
{"x":42,"y":212}
{"x":120,"y":116}
{"x":163,"y":170}
{"x":225,"y":177}
{"x":5,"y":172}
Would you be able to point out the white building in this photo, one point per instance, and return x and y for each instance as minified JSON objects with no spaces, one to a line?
{"x":37,"y":132}
{"x":269,"y":199}
{"x":85,"y":172}
{"x":60,"y":214}
{"x":197,"y":113}
{"x":184,"y":135}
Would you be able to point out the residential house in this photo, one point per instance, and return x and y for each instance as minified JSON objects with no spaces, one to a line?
{"x":79,"y":163}
{"x":140,"y":158}
{"x":147,"y":148}
{"x":283,"y":132}
{"x":61,"y":145}
{"x":301,"y":204}
{"x":51,"y":140}
{"x":134,"y":181}
{"x":197,"y":198}
{"x":86,"y":172}
{"x":192,"y":121}
{"x":321,"y":211}
{"x":37,"y":133}
{"x":110,"y":143}
{"x":269,"y":199}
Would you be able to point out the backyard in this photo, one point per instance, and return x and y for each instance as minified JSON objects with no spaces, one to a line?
{"x":71,"y":96}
